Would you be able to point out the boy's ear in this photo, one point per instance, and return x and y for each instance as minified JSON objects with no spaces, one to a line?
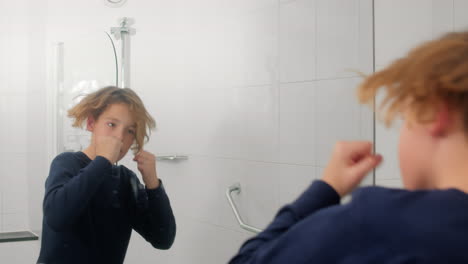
{"x":90,"y":123}
{"x":442,"y":122}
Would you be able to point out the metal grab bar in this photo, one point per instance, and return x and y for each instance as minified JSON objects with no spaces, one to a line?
{"x":172,"y":157}
{"x":237,"y":188}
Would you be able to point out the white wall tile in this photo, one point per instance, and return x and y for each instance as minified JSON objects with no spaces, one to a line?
{"x":13,"y":115}
{"x":298,"y":123}
{"x":15,"y":201}
{"x":297,"y":40}
{"x":459,"y":17}
{"x":15,"y":222}
{"x":338,"y":115}
{"x":35,"y":125}
{"x":442,"y":17}
{"x":187,"y":247}
{"x":1,"y":211}
{"x":293,"y":181}
{"x":261,"y":45}
{"x":20,"y":252}
{"x":4,"y":76}
{"x":13,"y":171}
{"x":337,"y":38}
{"x":205,"y":42}
{"x":235,"y":122}
{"x":16,"y":50}
{"x":394,"y":37}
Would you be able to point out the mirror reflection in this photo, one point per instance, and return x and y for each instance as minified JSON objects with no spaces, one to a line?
{"x":206,"y":131}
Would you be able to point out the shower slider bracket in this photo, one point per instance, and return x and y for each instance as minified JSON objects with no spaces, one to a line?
{"x":125,"y":24}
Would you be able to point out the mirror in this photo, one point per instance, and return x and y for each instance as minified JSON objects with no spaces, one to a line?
{"x":248,"y":92}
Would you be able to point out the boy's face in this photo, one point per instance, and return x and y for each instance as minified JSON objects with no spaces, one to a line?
{"x":116,"y":121}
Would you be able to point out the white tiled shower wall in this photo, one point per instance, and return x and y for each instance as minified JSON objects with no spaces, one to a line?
{"x":254,"y":92}
{"x":13,"y":115}
{"x":22,"y":114}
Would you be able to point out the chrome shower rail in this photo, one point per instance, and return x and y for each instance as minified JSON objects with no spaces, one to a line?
{"x":124,"y":32}
{"x":237,"y":188}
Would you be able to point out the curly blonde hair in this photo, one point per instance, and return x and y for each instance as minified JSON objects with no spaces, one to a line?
{"x":433,"y":73}
{"x":96,"y":103}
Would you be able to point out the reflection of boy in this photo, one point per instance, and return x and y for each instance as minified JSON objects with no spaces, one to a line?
{"x":427,"y":222}
{"x":92,"y":205}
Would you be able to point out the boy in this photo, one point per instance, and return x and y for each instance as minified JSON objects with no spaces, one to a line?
{"x":90,"y":204}
{"x":427,"y":222}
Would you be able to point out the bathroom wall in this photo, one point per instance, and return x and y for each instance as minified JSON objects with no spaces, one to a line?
{"x":401,"y":25}
{"x":22,"y":113}
{"x":23,"y":161}
{"x":13,"y":115}
{"x":255,"y":92}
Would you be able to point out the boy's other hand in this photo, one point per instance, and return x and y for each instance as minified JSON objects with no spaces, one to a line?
{"x":349,"y":164}
{"x":108,"y":147}
{"x":147,"y":166}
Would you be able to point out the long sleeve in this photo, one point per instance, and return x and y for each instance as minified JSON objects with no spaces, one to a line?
{"x":156,"y":222}
{"x":296,"y":227}
{"x":68,"y":193}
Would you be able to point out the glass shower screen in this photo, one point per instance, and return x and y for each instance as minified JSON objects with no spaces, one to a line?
{"x":80,"y":66}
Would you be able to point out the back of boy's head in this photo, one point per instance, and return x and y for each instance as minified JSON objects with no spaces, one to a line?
{"x":94,"y":104}
{"x":433,"y":73}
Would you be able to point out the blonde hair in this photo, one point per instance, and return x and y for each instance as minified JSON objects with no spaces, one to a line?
{"x":433,"y":73}
{"x":96,"y":103}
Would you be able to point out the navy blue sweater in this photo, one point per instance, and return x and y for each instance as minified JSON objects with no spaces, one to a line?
{"x":379,"y":225}
{"x":90,"y":208}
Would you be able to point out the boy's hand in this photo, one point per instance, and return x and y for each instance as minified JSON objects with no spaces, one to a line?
{"x":108,"y":147}
{"x":147,"y":167}
{"x":349,"y":164}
